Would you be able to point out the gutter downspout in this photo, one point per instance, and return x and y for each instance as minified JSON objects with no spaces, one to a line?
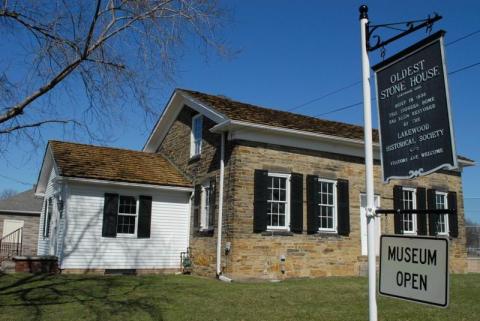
{"x":220,"y":206}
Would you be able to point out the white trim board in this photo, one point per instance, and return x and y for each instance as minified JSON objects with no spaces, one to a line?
{"x":115,"y":183}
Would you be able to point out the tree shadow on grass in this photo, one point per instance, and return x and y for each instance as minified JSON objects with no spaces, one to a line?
{"x":98,"y":298}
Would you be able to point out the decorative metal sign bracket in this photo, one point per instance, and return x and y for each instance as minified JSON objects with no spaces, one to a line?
{"x":410,"y":26}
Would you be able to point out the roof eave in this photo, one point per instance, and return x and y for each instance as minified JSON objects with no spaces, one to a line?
{"x":180,"y":188}
{"x":175,"y":104}
{"x":229,"y":125}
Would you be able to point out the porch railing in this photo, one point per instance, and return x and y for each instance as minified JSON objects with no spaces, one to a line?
{"x":11,"y":244}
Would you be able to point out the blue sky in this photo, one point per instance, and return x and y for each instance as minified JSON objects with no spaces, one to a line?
{"x":292,"y":52}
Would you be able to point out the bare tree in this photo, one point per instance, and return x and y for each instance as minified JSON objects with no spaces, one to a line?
{"x":7,"y":193}
{"x":104,"y":52}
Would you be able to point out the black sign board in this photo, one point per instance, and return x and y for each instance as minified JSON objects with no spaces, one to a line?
{"x":416,"y":133}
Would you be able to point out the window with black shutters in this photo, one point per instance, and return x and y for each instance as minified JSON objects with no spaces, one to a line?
{"x":328,"y":206}
{"x":327,"y":198}
{"x":278,"y":201}
{"x":441,"y":202}
{"x":127,"y":215}
{"x":409,"y":202}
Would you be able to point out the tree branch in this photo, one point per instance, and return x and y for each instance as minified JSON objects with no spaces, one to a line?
{"x":37,"y":124}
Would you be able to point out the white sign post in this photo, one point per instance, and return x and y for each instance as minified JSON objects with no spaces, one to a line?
{"x":367,"y":118}
{"x":414,"y":268}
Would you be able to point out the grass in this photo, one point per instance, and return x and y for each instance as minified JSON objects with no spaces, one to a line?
{"x":73,"y":297}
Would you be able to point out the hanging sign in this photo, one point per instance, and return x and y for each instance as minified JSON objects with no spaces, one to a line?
{"x":414,"y":268}
{"x":416,"y":133}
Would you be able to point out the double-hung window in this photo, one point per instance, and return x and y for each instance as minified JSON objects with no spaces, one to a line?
{"x":327,"y":191}
{"x":48,"y":217}
{"x":409,"y":203}
{"x":196,"y":135}
{"x":205,"y":217}
{"x":127,"y":215}
{"x":441,"y":202}
{"x":278,"y":201}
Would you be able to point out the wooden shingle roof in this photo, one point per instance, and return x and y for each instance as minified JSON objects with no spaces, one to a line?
{"x":271,"y":117}
{"x":114,"y":164}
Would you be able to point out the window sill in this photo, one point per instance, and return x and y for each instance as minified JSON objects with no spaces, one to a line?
{"x":332,"y":235}
{"x":277,"y":233}
{"x":204,"y":233}
{"x":194,"y":158}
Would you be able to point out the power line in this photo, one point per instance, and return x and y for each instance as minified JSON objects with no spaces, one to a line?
{"x":15,"y":180}
{"x":361,"y":102}
{"x":358,"y":82}
{"x":340,"y":109}
{"x":462,"y":38}
{"x":464,"y":68}
{"x":324,"y":96}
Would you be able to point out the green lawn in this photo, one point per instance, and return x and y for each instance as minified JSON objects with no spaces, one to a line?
{"x":66,"y":297}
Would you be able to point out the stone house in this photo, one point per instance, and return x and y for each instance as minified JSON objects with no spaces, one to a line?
{"x":21,"y":211}
{"x":292,"y":190}
{"x":246,"y":191}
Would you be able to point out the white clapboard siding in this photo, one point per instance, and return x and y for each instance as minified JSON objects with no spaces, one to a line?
{"x":85,"y":248}
{"x":43,"y":245}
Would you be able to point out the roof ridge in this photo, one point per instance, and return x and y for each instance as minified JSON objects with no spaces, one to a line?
{"x":104,"y":147}
{"x":271,"y":109}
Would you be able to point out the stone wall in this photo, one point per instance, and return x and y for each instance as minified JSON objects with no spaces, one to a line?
{"x":30,"y":230}
{"x":258,"y":256}
{"x":176,"y":148}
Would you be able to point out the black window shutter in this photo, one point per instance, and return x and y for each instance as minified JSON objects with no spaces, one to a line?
{"x":211,"y":214}
{"x":260,"y":201}
{"x":296,"y":199}
{"x":398,"y":204}
{"x":432,"y":218}
{"x":110,"y":215}
{"x":343,"y":207}
{"x":421,"y":205}
{"x":453,"y":218}
{"x":313,"y":219}
{"x":144,"y":216}
{"x":197,"y":196}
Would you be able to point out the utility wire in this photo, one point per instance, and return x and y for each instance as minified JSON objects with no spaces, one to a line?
{"x":358,"y":82}
{"x":15,"y":180}
{"x":361,"y":102}
{"x":324,"y":96}
{"x":462,"y":38}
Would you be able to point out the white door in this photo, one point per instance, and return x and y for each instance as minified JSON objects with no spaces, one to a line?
{"x":363,"y":224}
{"x":10,"y":226}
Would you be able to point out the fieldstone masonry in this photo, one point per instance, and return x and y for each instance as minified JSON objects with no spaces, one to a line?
{"x":257,"y":255}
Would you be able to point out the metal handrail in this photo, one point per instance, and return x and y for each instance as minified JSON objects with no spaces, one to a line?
{"x":12,"y":243}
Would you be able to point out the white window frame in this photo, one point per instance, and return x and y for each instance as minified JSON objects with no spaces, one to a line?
{"x":334,"y":229}
{"x":204,"y":213}
{"x":196,"y":140}
{"x":47,"y":219}
{"x":287,"y":202}
{"x":137,"y":204}
{"x":445,"y":216}
{"x":414,"y":216}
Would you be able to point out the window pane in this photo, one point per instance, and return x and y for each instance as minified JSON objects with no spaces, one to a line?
{"x":126,"y":224}
{"x":282,"y":220}
{"x":281,"y":208}
{"x":274,"y":220}
{"x":128,"y":205}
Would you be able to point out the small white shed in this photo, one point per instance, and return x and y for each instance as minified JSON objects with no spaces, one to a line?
{"x":110,"y":209}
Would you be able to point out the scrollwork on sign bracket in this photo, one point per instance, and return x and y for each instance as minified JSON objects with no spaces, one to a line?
{"x":410,"y":26}
{"x":415,"y":173}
